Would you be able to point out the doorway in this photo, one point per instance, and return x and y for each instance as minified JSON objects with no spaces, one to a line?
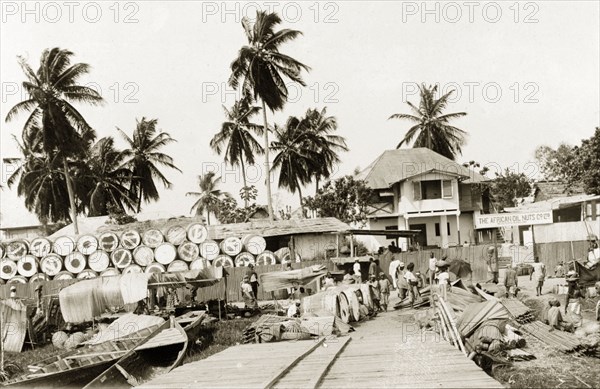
{"x":421,"y":237}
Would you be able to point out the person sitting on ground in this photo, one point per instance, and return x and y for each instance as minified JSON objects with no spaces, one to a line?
{"x":294,"y":309}
{"x":555,"y":318}
{"x":511,"y":281}
{"x":384,"y":290}
{"x":374,"y":284}
{"x":559,"y":270}
{"x":347,"y":277}
{"x":574,"y":299}
{"x":328,"y":281}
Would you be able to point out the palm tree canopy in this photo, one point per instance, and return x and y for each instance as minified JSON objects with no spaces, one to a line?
{"x":236,"y":135}
{"x":52,"y":90}
{"x":297,"y":157}
{"x":327,"y":144}
{"x":143,"y":158}
{"x":260,"y":66}
{"x":209,"y":194}
{"x":431,"y":127}
{"x":108,"y":181}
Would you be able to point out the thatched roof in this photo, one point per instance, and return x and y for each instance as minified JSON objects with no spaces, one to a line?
{"x":398,"y":165}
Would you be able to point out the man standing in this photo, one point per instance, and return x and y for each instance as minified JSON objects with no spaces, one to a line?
{"x":431,"y":269}
{"x":511,"y":281}
{"x":393,"y":269}
{"x":402,"y":283}
{"x":253,"y":277}
{"x":538,"y":275}
{"x":492,"y":264}
{"x":384,"y":290}
{"x":372,"y":268}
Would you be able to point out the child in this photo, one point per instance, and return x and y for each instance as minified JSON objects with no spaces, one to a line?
{"x":384,"y":290}
{"x":413,"y":282}
{"x":443,"y":278}
{"x":374,"y":284}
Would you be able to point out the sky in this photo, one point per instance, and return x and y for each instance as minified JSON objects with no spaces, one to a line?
{"x":526,"y":73}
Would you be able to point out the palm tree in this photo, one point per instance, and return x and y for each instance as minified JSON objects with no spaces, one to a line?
{"x":41,"y":180}
{"x":260,"y":66}
{"x":432,"y":126}
{"x":326,"y":144}
{"x":297,"y":157}
{"x":109,"y":181}
{"x":143,"y":158}
{"x":209,"y":196}
{"x":52,"y":89}
{"x":236,"y":139}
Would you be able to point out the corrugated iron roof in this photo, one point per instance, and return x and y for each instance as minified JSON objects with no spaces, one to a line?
{"x":398,"y":165}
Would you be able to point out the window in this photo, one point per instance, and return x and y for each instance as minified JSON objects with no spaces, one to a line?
{"x":417,"y":190}
{"x":437,"y":229}
{"x":447,"y":189}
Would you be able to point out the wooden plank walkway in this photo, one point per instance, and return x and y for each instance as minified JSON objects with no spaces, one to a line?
{"x":245,"y":366}
{"x":382,"y":353}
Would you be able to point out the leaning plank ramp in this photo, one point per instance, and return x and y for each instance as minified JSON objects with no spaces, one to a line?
{"x":375,"y":356}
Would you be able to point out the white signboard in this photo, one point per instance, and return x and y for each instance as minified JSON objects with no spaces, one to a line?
{"x":495,"y":220}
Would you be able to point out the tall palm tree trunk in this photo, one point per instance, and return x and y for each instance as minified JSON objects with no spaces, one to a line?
{"x":267,"y":164}
{"x":71,"y":196}
{"x":245,"y":185}
{"x":317,"y":185}
{"x":301,"y":204}
{"x":208,"y":217}
{"x":139,"y":204}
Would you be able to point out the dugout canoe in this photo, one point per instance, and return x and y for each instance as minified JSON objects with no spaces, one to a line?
{"x":158,"y":354}
{"x":77,"y":367}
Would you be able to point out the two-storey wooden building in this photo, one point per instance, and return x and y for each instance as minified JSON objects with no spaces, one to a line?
{"x":419,"y":189}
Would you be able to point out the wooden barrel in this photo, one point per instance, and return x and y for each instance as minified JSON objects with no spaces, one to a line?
{"x":209,"y":249}
{"x":75,"y":262}
{"x":108,"y":241}
{"x":38,"y":277}
{"x":326,"y":300}
{"x":244,"y":259}
{"x":63,"y":246}
{"x":8,"y":269}
{"x":64,"y":275}
{"x":99,"y":260}
{"x":367,"y":295}
{"x":345,"y":314}
{"x":188,"y":251}
{"x":111,"y":271}
{"x":231,"y":246}
{"x":177,"y":266}
{"x":176,"y":235}
{"x":143,"y":255}
{"x":254,"y":244}
{"x":87,"y":274}
{"x":17,"y":249}
{"x":133,"y":269}
{"x":121,"y":258}
{"x":155,"y":267}
{"x":87,"y":244}
{"x":153,"y":238}
{"x":165,"y":253}
{"x":353,"y":304}
{"x":266,"y":258}
{"x":130,"y":239}
{"x":27,"y":266}
{"x":197,"y":233}
{"x":51,"y":264}
{"x":283,"y":254}
{"x":17,"y":280}
{"x":199,"y":264}
{"x":223,"y":260}
{"x":59,"y":338}
{"x":40,"y":247}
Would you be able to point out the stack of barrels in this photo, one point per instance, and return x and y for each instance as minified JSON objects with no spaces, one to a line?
{"x":180,"y":248}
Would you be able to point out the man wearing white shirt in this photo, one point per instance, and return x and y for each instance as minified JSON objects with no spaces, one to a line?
{"x":432,"y":262}
{"x":356,"y":267}
{"x":393,"y":269}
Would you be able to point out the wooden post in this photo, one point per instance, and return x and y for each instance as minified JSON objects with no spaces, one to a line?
{"x":351,"y":245}
{"x":337,"y":245}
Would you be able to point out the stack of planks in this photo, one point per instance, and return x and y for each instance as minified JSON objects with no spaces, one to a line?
{"x":559,"y":340}
{"x":249,"y":333}
{"x":447,"y":322}
{"x":518,"y":311}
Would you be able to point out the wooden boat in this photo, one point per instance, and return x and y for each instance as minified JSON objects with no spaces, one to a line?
{"x":192,"y":323}
{"x":77,"y":367}
{"x":157,"y":354}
